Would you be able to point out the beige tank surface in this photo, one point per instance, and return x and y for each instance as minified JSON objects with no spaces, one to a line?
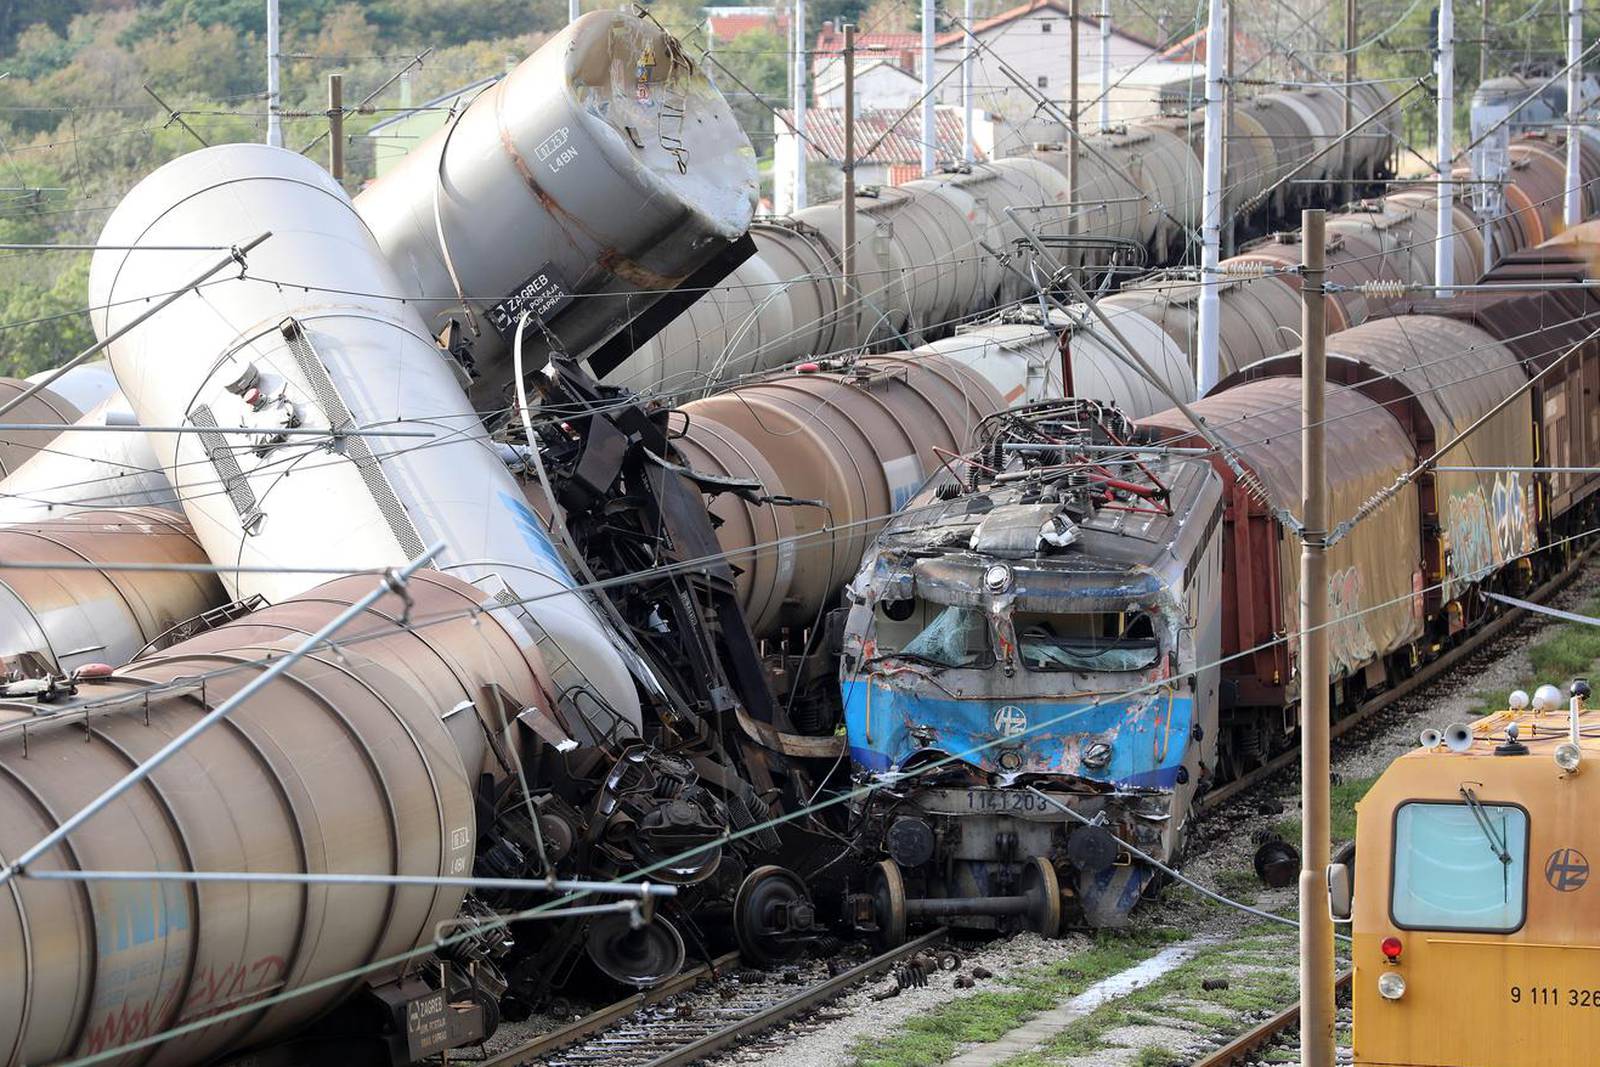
{"x":43,"y":407}
{"x":855,"y":443}
{"x":344,"y":764}
{"x":54,"y":621}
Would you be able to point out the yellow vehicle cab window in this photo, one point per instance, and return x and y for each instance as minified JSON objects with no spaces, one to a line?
{"x":1460,"y":866}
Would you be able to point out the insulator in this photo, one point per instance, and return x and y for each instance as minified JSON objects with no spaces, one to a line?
{"x":1386,"y":288}
{"x":1246,"y":268}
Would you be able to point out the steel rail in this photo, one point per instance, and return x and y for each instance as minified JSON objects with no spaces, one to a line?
{"x":1493,"y":629}
{"x":1254,"y":1039}
{"x":598,"y":1020}
{"x":788,"y":1008}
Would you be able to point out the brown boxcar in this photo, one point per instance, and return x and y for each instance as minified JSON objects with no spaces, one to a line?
{"x":1374,"y":574}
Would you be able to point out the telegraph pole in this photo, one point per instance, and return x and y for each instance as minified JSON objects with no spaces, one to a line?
{"x":1573,"y":212}
{"x":1206,"y":367}
{"x":1445,"y":71}
{"x":930,"y":135}
{"x":968,"y":50}
{"x":1072,"y":118}
{"x":274,"y":97}
{"x":1316,"y":926}
{"x":336,"y":127}
{"x":847,"y":203}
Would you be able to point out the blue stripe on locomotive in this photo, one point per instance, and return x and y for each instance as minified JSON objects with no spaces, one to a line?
{"x":1149,"y":734}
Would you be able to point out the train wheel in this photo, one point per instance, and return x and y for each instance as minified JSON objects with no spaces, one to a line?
{"x":889,"y":904}
{"x":1043,"y":889}
{"x":760,"y":916}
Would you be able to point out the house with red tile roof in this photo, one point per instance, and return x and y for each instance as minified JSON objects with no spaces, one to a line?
{"x":728,"y":24}
{"x":1031,"y":39}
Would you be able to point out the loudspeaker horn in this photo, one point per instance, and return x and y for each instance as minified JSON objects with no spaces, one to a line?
{"x":1431,"y":738}
{"x":1457,"y":737}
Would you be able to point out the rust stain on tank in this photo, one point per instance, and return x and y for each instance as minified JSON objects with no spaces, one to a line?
{"x":609,"y":259}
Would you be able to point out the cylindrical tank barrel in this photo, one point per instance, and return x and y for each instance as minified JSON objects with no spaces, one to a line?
{"x":85,"y":468}
{"x":595,"y":177}
{"x":850,"y":447}
{"x":56,"y":620}
{"x":340,"y":349}
{"x":343,"y":764}
{"x":45,"y":407}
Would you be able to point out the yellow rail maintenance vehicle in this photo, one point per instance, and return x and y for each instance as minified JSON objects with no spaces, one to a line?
{"x":1474,"y":917}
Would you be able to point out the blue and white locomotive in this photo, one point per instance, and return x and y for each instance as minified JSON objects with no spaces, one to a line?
{"x":1030,"y":674}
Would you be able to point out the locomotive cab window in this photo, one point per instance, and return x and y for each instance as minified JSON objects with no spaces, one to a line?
{"x":1460,"y":866}
{"x":1094,"y":641}
{"x":941,"y":635}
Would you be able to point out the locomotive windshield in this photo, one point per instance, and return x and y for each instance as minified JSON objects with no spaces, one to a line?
{"x":1099,"y":641}
{"x":1460,"y":866}
{"x":952,"y":637}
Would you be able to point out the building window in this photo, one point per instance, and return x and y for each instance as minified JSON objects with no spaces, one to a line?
{"x":1046,"y":26}
{"x":1044,"y":82}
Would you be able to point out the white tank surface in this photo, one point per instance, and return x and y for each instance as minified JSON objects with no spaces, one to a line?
{"x":247,"y":352}
{"x":598,"y":174}
{"x":88,"y":469}
{"x":1023,"y":359}
{"x":84,"y":386}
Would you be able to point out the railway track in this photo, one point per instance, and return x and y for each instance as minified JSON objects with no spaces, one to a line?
{"x":1241,"y":1048}
{"x":650,"y":1029}
{"x":1431,"y":673}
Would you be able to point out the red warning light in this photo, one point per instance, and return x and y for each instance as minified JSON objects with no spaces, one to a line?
{"x":1391,"y":948}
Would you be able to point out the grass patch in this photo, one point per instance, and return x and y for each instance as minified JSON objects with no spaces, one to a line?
{"x":933,"y":1038}
{"x":1568,"y":651}
{"x":1250,"y":989}
{"x":1155,"y":1056}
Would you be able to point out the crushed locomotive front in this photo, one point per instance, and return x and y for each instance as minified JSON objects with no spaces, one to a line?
{"x":1030,"y":674}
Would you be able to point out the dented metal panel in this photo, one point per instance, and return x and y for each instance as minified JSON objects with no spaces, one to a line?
{"x":606,"y":164}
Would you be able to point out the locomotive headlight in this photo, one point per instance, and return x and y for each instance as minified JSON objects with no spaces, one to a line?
{"x":1568,"y":756}
{"x":1391,"y":985}
{"x":997,"y":579}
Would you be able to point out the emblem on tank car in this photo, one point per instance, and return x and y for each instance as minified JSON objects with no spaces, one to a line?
{"x":1566,"y":870}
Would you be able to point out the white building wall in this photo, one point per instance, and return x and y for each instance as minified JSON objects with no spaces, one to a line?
{"x":1036,"y":47}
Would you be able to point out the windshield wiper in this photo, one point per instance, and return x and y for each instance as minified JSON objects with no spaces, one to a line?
{"x":1497,"y":843}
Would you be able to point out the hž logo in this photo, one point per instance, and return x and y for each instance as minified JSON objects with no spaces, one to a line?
{"x":1009,"y":721}
{"x":1566,"y":870}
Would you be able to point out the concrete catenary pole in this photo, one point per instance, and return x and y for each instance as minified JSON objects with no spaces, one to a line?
{"x":798,"y":102}
{"x":969,"y":49}
{"x":1230,"y":230}
{"x":274,"y":97}
{"x":1072,"y":117}
{"x":1445,"y":72}
{"x":1347,"y":151}
{"x":930,"y":134}
{"x":336,"y":127}
{"x":1316,"y":926}
{"x":847,"y":202}
{"x":1211,"y":204}
{"x":1105,"y":65}
{"x":1574,"y":206}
